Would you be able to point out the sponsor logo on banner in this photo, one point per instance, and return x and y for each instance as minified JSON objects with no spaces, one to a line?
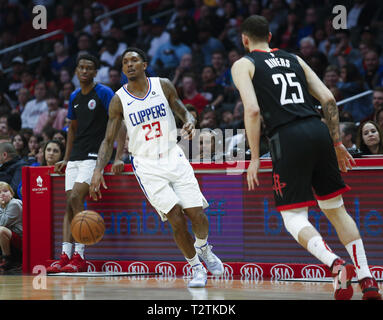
{"x":39,"y":189}
{"x":111,"y":267}
{"x":138,"y":267}
{"x":225,"y":278}
{"x":227,"y":272}
{"x":90,"y":267}
{"x":39,"y":181}
{"x":282,"y":271}
{"x":167,"y":274}
{"x":187,"y":271}
{"x":166,"y":269}
{"x":313,"y":271}
{"x":251,"y":271}
{"x":377,"y":272}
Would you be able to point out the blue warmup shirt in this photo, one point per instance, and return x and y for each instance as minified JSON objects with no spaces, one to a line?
{"x":91,"y":113}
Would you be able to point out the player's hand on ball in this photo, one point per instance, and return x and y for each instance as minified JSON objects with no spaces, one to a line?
{"x":188,"y":131}
{"x":118,"y":166}
{"x":94,"y":188}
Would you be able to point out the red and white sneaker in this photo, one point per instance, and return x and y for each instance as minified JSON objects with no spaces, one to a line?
{"x":343,"y":274}
{"x":76,"y":264}
{"x":370,"y":289}
{"x":57,"y":267}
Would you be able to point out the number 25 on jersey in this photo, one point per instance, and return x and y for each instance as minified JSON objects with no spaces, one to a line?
{"x":153,"y":130}
{"x":280,"y":78}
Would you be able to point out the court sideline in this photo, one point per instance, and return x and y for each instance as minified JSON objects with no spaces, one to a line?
{"x":32,"y":287}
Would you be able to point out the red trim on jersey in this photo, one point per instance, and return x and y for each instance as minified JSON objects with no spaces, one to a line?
{"x":137,"y":97}
{"x":272,"y":50}
{"x":296,"y":205}
{"x":334,"y":194}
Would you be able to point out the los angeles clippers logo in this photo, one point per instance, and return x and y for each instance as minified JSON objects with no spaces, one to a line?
{"x":278,"y":186}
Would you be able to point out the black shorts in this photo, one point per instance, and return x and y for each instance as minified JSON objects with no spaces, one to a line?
{"x":304,"y":164}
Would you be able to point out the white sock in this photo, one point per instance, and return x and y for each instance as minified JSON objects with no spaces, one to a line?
{"x":79,"y":248}
{"x":356,"y":251}
{"x":319,"y":249}
{"x":200,"y":242}
{"x":67,"y":248}
{"x":194,"y":261}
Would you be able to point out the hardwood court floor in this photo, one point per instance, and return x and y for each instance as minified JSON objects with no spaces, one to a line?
{"x":28,"y":287}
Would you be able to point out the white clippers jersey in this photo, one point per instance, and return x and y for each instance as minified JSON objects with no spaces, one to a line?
{"x":149,"y":120}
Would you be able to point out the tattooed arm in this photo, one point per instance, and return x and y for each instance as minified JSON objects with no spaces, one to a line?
{"x":178,"y":108}
{"x":106,"y":148}
{"x":331,"y":114}
{"x":330,"y":110}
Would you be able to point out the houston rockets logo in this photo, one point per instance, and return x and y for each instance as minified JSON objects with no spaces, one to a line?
{"x":278,"y":186}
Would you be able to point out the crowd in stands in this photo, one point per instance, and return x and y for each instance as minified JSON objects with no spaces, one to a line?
{"x":194,"y":44}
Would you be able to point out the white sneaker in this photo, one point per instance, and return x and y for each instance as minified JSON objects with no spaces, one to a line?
{"x":199,"y":277}
{"x":213,"y":263}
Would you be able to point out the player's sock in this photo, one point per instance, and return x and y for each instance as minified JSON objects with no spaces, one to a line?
{"x":200,"y":242}
{"x":319,"y":249}
{"x":79,"y":248}
{"x":194,"y":261}
{"x":67,"y":249}
{"x":356,"y":251}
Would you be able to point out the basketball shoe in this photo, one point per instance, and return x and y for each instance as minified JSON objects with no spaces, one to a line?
{"x":199,"y":277}
{"x":370,"y":289}
{"x":57,"y":267}
{"x":342,"y":273}
{"x":8,"y":263}
{"x":76,"y":264}
{"x":213,"y":263}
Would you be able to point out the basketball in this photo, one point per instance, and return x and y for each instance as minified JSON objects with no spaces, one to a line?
{"x":87,"y":227}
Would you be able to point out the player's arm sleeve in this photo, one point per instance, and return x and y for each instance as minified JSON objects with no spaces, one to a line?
{"x":106,"y":94}
{"x":71,"y":114}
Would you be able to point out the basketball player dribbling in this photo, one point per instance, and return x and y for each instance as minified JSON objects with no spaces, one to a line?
{"x":305,"y":152}
{"x":88,"y":114}
{"x":164,"y":174}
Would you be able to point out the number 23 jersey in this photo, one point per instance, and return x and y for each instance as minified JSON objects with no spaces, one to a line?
{"x":281,"y":88}
{"x":149,"y":120}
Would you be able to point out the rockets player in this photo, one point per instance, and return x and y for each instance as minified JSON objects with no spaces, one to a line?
{"x":306,"y":153}
{"x":164,"y":174}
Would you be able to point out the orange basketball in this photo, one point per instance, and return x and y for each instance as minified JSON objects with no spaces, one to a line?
{"x":87,"y":227}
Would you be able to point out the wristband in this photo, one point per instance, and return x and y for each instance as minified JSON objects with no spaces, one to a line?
{"x":336,"y":144}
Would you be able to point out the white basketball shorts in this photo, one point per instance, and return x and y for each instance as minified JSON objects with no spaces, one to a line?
{"x":78,"y":171}
{"x":167,"y":181}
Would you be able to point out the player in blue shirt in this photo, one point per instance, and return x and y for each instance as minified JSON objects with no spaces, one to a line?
{"x":88,"y":114}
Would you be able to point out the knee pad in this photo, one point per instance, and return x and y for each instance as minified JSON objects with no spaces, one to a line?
{"x":332,"y":203}
{"x":295,"y":220}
